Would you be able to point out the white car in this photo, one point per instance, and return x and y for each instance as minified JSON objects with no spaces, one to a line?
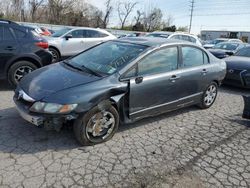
{"x":212,"y":43}
{"x":71,"y":41}
{"x":179,"y":36}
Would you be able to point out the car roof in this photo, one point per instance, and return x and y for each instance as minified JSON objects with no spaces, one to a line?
{"x":151,"y":41}
{"x":162,"y":32}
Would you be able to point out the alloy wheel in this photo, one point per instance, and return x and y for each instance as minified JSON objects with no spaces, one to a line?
{"x":21,"y":72}
{"x":100,"y":126}
{"x":210,"y":95}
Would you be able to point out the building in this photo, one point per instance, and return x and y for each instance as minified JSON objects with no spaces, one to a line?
{"x":213,"y":34}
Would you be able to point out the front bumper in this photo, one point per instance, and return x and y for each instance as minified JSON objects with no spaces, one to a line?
{"x":49,"y":121}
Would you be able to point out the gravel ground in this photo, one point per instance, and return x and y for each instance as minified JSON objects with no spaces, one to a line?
{"x":185,"y":148}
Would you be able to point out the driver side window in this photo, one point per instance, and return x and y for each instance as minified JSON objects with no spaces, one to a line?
{"x":160,"y":61}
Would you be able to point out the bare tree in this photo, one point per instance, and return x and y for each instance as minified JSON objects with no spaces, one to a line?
{"x":124,"y":10}
{"x":107,"y":14}
{"x":34,"y":5}
{"x":153,"y":20}
{"x":138,"y":17}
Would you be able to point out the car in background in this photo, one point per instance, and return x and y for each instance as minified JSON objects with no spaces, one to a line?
{"x":176,"y":35}
{"x":212,"y":43}
{"x":22,"y":51}
{"x":238,"y":68}
{"x":119,"y":81}
{"x":71,"y":41}
{"x":225,"y":49}
{"x":45,"y":31}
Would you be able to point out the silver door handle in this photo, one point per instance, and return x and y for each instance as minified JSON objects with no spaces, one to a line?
{"x":204,"y":71}
{"x":174,"y":78}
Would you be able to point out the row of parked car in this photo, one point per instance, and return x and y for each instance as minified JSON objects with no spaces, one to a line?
{"x":103,"y":83}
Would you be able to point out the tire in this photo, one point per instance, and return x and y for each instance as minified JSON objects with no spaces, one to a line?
{"x":84,"y":122}
{"x":55,"y":54}
{"x":18,"y":70}
{"x":209,"y":96}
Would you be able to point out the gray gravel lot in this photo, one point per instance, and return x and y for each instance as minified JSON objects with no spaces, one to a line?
{"x":186,"y":148}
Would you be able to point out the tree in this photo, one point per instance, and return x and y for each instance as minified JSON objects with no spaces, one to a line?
{"x":34,"y":5}
{"x":183,"y":28}
{"x":153,"y":20}
{"x":170,"y":28}
{"x":138,"y":16}
{"x":124,"y":10}
{"x":107,"y":14}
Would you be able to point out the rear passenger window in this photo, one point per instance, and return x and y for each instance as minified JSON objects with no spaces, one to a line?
{"x":19,"y":34}
{"x":8,"y":34}
{"x":77,"y":34}
{"x":192,"y":39}
{"x":192,"y":57}
{"x":163,"y":60}
{"x":1,"y":33}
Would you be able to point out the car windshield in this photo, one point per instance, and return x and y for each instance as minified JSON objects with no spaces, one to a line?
{"x":108,"y":57}
{"x":60,"y":32}
{"x":245,"y":52}
{"x":163,"y":35}
{"x":226,"y":46}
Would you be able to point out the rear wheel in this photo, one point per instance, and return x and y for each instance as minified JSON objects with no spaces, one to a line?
{"x":209,"y":96}
{"x":55,"y":55}
{"x":18,"y":70}
{"x":96,"y":126}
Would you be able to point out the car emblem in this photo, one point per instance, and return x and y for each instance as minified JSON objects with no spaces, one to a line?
{"x":231,"y":71}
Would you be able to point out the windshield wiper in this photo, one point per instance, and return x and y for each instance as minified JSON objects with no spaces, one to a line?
{"x":70,"y":65}
{"x":91,"y":71}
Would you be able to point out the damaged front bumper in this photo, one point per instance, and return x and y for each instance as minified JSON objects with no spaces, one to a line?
{"x":48,"y":121}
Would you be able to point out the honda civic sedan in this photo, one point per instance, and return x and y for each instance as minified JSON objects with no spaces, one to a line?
{"x":116,"y":82}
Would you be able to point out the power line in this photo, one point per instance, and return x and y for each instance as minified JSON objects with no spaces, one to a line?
{"x":191,"y":15}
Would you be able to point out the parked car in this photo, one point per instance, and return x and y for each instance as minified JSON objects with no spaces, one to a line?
{"x":238,"y":68}
{"x":178,"y":36}
{"x":21,"y":51}
{"x":225,"y":49}
{"x":117,"y":81}
{"x":212,"y":43}
{"x":71,"y":41}
{"x":45,"y":31}
{"x":246,"y":111}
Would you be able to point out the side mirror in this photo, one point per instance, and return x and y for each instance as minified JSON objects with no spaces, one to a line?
{"x":229,"y":53}
{"x":68,"y":36}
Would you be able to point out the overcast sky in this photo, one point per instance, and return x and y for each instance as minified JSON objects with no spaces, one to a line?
{"x":208,"y":14}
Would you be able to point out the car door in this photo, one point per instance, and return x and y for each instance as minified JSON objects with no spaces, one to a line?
{"x":74,"y":44}
{"x":93,"y":37}
{"x":155,"y":88}
{"x":8,"y":46}
{"x":194,"y":73}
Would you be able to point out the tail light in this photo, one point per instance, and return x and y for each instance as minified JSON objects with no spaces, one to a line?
{"x":43,"y":45}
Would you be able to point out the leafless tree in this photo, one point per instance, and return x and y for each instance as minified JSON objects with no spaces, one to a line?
{"x":153,"y":20}
{"x":138,"y":16}
{"x":124,"y":9}
{"x":107,"y":14}
{"x":34,"y":5}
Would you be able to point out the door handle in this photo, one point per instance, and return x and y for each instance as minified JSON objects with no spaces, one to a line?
{"x":10,"y":48}
{"x":138,"y":80}
{"x":204,"y":71}
{"x":174,"y":78}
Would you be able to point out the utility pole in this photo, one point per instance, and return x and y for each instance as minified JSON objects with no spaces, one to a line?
{"x":191,"y":15}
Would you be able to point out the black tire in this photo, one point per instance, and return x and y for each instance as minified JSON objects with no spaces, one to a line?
{"x":55,"y":54}
{"x":80,"y":127}
{"x":203,"y":104}
{"x":14,"y":76}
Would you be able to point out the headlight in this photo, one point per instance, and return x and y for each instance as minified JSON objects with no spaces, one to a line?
{"x":52,"y":108}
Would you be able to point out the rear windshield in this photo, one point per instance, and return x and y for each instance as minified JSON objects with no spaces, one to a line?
{"x":108,"y":57}
{"x":162,"y":35}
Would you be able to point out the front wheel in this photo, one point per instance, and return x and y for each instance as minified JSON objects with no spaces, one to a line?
{"x":209,"y":96}
{"x":96,"y":126}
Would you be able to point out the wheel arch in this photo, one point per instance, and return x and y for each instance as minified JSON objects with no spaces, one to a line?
{"x":55,"y":48}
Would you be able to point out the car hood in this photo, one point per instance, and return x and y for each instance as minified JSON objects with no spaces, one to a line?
{"x":237,"y":62}
{"x":54,"y":78}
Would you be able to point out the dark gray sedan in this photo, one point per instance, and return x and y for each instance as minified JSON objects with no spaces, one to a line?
{"x":119,"y":81}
